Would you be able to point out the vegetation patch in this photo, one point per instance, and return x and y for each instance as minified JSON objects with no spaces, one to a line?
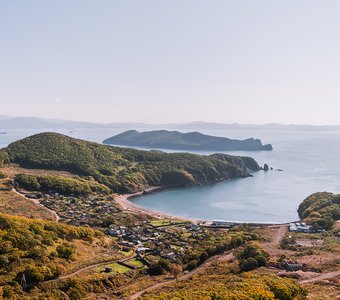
{"x":321,"y":210}
{"x":252,"y":256}
{"x":114,"y":268}
{"x":135,"y":263}
{"x":37,"y":249}
{"x":216,"y":283}
{"x":165,"y":222}
{"x":58,"y":184}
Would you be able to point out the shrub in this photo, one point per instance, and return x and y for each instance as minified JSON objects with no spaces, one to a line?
{"x":192,"y":265}
{"x":27,"y":182}
{"x":159,"y":268}
{"x":66,"y":251}
{"x":252,"y":256}
{"x":248,"y":264}
{"x":261,"y":260}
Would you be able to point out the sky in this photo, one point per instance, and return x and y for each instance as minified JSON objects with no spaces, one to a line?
{"x":160,"y":61}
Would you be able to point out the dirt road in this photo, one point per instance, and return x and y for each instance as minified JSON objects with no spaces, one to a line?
{"x":225,"y":256}
{"x":279,"y":235}
{"x":321,"y":277}
{"x":92,"y":267}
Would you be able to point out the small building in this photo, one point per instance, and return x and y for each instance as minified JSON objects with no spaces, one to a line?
{"x":114,"y":232}
{"x":107,"y":269}
{"x":300,"y":227}
{"x":290,"y":267}
{"x":222,"y":224}
{"x":143,"y":249}
{"x":169,"y":255}
{"x":194,"y":227}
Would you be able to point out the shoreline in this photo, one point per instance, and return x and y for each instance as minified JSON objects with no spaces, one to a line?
{"x":127,"y":205}
{"x":123,"y":201}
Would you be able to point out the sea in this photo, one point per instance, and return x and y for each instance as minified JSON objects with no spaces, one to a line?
{"x":309,"y":160}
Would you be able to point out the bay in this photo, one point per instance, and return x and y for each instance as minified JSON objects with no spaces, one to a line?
{"x":310,"y":161}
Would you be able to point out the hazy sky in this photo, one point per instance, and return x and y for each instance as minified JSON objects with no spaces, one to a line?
{"x":171,"y":61}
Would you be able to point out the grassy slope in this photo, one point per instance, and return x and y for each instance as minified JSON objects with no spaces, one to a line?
{"x":121,"y":169}
{"x":14,"y":204}
{"x":225,"y":285}
{"x":31,"y":244}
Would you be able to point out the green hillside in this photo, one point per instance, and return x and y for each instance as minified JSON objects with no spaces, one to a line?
{"x":124,"y":170}
{"x":320,"y":210}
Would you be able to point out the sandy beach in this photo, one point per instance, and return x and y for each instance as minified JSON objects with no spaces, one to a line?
{"x":123,"y":201}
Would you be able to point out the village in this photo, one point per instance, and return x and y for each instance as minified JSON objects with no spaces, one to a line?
{"x":142,"y":241}
{"x":143,"y":237}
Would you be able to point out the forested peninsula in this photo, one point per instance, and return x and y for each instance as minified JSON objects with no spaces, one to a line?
{"x":120,"y":169}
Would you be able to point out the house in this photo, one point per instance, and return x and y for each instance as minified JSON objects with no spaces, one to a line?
{"x":114,"y":232}
{"x":194,"y":227}
{"x":222,"y":224}
{"x":170,"y":255}
{"x":290,"y":267}
{"x":300,"y":227}
{"x":107,"y":269}
{"x":143,"y":249}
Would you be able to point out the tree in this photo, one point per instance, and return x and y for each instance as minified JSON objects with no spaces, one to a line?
{"x":204,"y":256}
{"x":175,"y":270}
{"x":65,"y":251}
{"x":261,"y":260}
{"x":251,"y":257}
{"x":159,"y":268}
{"x":248,"y":264}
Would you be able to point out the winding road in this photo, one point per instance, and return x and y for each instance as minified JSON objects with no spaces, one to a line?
{"x":281,"y":231}
{"x":225,"y":256}
{"x":94,"y":266}
{"x":91,"y":267}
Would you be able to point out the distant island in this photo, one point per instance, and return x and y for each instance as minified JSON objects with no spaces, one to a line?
{"x":175,"y":140}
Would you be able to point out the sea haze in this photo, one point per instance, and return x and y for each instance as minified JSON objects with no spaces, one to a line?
{"x":309,"y":159}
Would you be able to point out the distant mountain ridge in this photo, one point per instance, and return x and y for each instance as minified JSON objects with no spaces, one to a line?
{"x":10,"y":122}
{"x":175,"y":140}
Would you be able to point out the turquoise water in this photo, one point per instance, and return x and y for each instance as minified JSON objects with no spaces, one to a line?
{"x":310,"y":161}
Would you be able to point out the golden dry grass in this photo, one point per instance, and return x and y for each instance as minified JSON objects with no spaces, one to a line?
{"x":12,"y":169}
{"x":97,"y":251}
{"x":14,"y":204}
{"x":323,"y":291}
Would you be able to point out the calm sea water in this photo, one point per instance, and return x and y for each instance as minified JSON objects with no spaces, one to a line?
{"x":310,"y":161}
